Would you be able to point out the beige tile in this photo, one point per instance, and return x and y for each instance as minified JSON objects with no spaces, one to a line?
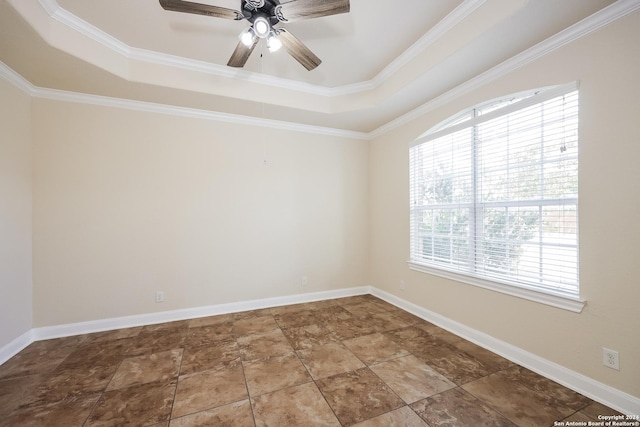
{"x":158,"y":340}
{"x":438,"y":333}
{"x":383,"y":322}
{"x":141,"y":405}
{"x":74,"y":413}
{"x":19,"y":392}
{"x":321,"y":305}
{"x":356,"y":299}
{"x":352,"y":328}
{"x":329,"y":359}
{"x":39,"y":357}
{"x":206,"y":335}
{"x":264,"y":376}
{"x":116,"y":334}
{"x":237,"y":414}
{"x":210,"y":320}
{"x":128,"y":376}
{"x":558,"y":394}
{"x":296,"y":319}
{"x":459,"y":408}
{"x":101,"y":353}
{"x":278,"y":408}
{"x":251,"y":314}
{"x":168,"y":327}
{"x":71,"y":341}
{"x":403,"y":417}
{"x":357,"y":396}
{"x":146,"y":369}
{"x":452,"y":363}
{"x":261,"y":346}
{"x":310,"y":335}
{"x":73,"y":381}
{"x":491,"y":361}
{"x":411,"y":379}
{"x":375,"y":348}
{"x":254,"y":325}
{"x":576,"y":419}
{"x":365,"y":308}
{"x":332,"y":314}
{"x":209,"y":389}
{"x":594,"y":409}
{"x":520,"y":404}
{"x":288,"y":309}
{"x":414,"y":339}
{"x":405,"y":316}
{"x":218,"y":354}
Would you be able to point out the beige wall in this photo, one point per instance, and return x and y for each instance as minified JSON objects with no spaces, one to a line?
{"x":127,"y":203}
{"x":15,"y":214}
{"x":607,"y":64}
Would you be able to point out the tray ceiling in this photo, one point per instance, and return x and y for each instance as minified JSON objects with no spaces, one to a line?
{"x":379,"y":64}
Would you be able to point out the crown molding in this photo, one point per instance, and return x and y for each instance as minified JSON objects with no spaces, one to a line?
{"x":432,"y":36}
{"x":25,"y":86}
{"x":598,"y":20}
{"x":149,"y":107}
{"x":606,"y":16}
{"x":55,"y":11}
{"x":15,"y":79}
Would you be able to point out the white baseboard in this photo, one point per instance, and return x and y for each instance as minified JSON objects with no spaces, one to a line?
{"x":582,"y":384}
{"x":16,"y":346}
{"x":71,"y":329}
{"x":58,"y":331}
{"x":593,"y":389}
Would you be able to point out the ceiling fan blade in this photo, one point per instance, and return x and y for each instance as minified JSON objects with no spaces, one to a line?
{"x":298,"y":50}
{"x":201,"y":9}
{"x":307,"y":9}
{"x":241,"y":54}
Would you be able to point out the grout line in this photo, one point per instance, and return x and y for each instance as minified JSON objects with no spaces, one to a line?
{"x":175,"y":392}
{"x":103,"y":392}
{"x":246,"y":384}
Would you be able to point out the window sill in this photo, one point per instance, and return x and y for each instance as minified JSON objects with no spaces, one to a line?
{"x":559,"y":301}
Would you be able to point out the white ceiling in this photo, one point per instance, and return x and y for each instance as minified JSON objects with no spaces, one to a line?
{"x":380,"y":61}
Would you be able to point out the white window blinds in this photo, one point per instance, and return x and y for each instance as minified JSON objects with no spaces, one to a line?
{"x":495,"y":196}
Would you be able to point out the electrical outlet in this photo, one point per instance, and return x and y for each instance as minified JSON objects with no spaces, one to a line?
{"x":402,"y":285}
{"x":304,"y":281}
{"x":159,"y":296}
{"x":610,"y":359}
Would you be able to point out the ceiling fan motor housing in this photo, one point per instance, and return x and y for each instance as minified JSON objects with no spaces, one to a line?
{"x":263,"y":16}
{"x":252,"y":10}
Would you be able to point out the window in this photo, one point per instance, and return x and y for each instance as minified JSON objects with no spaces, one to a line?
{"x":494,"y":196}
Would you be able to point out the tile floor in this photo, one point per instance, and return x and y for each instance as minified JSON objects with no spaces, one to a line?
{"x":355,"y":361}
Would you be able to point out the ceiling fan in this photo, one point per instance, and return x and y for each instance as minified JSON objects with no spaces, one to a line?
{"x":263,"y":16}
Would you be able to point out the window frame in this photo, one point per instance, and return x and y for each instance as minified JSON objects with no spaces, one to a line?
{"x":455,"y":123}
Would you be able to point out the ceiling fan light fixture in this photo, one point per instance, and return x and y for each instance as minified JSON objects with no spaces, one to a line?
{"x":263,"y":15}
{"x":247,"y":37}
{"x":261,"y":27}
{"x":273,"y":42}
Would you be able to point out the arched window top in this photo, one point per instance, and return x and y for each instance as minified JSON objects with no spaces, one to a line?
{"x":486,"y":108}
